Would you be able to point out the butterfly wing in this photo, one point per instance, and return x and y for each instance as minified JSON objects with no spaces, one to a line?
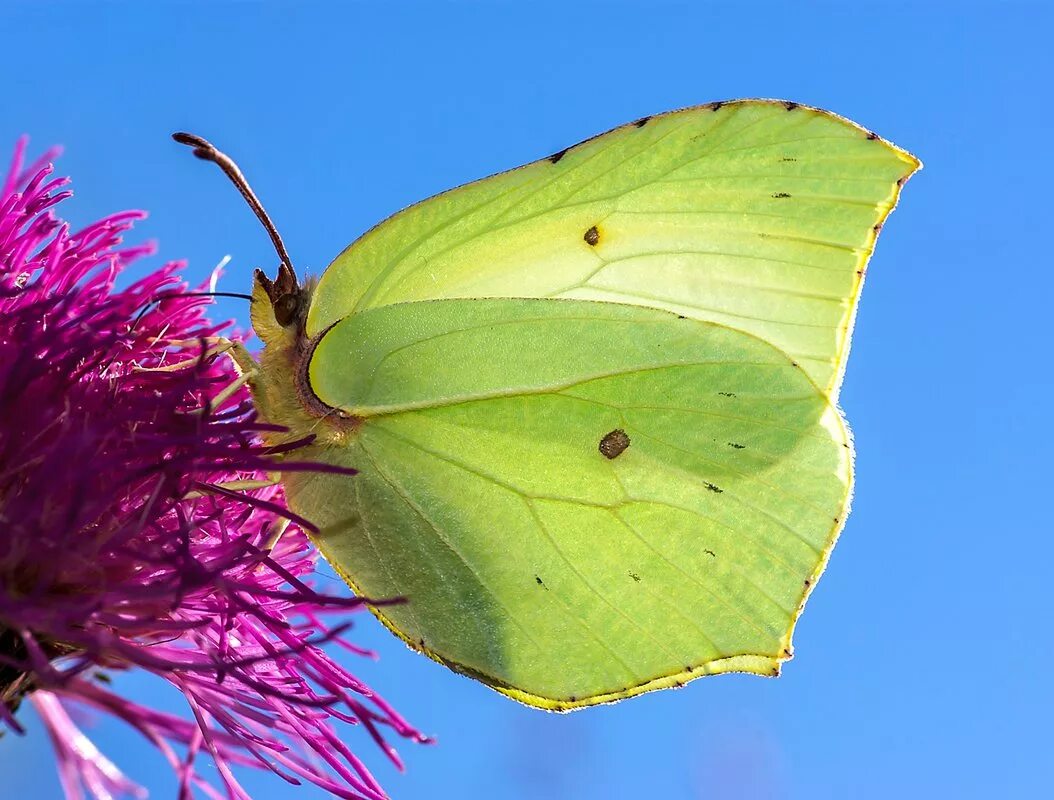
{"x":555,"y":572}
{"x":757,"y":214}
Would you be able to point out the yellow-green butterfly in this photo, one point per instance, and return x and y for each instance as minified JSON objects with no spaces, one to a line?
{"x":591,"y":401}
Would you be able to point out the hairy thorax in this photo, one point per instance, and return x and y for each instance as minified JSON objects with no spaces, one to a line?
{"x":279,"y":377}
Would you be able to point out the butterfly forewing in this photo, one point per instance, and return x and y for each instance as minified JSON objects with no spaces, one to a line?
{"x":757,"y":214}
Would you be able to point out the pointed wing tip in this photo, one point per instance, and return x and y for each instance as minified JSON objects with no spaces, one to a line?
{"x":914,"y":162}
{"x":909,"y":158}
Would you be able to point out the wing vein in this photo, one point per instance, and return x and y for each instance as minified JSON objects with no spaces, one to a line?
{"x":445,"y":540}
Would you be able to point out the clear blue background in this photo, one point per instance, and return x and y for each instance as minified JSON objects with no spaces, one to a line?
{"x":923,"y":660}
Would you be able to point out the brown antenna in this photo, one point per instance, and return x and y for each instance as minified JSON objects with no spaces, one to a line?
{"x":208,"y":152}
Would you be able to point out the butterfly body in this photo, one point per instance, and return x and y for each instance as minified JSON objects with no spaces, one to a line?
{"x":592,"y":402}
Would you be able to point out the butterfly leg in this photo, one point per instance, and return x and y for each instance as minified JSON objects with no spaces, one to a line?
{"x":215,"y":346}
{"x":225,"y":394}
{"x":278,"y":527}
{"x":243,"y":360}
{"x":243,"y":485}
{"x":244,"y":364}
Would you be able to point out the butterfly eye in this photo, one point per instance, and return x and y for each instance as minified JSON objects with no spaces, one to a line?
{"x":285,"y":308}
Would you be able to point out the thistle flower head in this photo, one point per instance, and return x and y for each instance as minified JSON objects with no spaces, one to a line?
{"x":120,"y":547}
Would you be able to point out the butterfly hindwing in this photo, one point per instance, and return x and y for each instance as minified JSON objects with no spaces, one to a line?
{"x":530,"y":555}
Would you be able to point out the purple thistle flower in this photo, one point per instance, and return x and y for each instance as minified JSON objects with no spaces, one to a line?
{"x":119,"y":546}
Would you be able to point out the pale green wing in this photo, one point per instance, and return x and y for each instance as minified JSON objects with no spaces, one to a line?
{"x":757,"y":214}
{"x":528,"y":558}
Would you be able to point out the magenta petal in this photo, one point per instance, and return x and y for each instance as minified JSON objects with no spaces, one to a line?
{"x":105,"y":563}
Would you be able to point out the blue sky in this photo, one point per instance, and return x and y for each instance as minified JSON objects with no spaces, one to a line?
{"x":922,"y":659}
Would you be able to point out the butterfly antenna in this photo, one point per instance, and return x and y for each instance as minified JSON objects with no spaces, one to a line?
{"x":156,"y":301}
{"x":206,"y":151}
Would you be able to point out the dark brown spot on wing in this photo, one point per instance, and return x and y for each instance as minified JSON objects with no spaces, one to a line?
{"x":613,"y":443}
{"x":557,"y":156}
{"x":592,"y":236}
{"x":780,"y":195}
{"x":640,"y":123}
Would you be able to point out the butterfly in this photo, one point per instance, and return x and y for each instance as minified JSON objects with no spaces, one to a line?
{"x":591,"y":402}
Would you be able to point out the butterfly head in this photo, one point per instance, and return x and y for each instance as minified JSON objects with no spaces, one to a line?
{"x":279,"y":306}
{"x":278,"y":312}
